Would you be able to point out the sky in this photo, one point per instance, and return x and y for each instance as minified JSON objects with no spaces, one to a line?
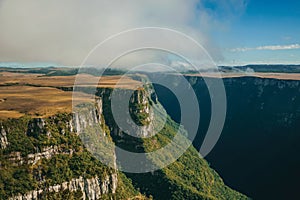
{"x":234,"y":32}
{"x":267,"y":32}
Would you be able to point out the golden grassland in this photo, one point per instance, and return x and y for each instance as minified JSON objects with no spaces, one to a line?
{"x":39,"y":96}
{"x":15,"y":101}
{"x":68,"y":81}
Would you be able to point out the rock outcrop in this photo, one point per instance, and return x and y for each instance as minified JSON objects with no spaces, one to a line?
{"x":91,"y":189}
{"x":87,"y":116}
{"x":3,"y":138}
{"x":46,"y":152}
{"x":138,"y":114}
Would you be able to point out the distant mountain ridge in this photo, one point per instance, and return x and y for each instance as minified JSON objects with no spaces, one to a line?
{"x":65,"y":71}
{"x":263,"y":68}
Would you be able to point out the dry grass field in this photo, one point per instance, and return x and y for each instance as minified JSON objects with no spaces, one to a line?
{"x":67,"y":81}
{"x":38,"y":96}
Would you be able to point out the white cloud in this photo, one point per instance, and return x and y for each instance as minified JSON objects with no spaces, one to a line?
{"x":271,"y":47}
{"x":64,"y":31}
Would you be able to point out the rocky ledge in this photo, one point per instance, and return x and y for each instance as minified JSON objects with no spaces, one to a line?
{"x":91,"y":189}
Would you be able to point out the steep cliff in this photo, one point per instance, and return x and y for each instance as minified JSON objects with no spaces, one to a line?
{"x":189,"y":177}
{"x":257,"y":152}
{"x":44,"y":158}
{"x":93,"y":188}
{"x":3,"y":138}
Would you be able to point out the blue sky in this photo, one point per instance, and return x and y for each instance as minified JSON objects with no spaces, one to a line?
{"x":263,"y":23}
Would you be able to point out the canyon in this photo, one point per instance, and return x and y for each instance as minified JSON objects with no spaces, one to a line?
{"x":45,"y":155}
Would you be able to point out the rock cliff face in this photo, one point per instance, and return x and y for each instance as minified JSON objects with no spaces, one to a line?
{"x":91,"y":189}
{"x":50,"y":157}
{"x":88,"y":116}
{"x":139,"y":109}
{"x":262,"y":121}
{"x":33,"y":158}
{"x":3,"y":138}
{"x":142,"y":98}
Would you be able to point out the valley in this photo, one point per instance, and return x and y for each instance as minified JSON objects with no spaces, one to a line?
{"x":43,"y":156}
{"x":257,"y":152}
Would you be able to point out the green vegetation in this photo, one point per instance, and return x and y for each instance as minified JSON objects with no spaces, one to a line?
{"x":126,"y":189}
{"x":14,"y":180}
{"x":26,"y":142}
{"x":189,"y":177}
{"x":63,"y":195}
{"x":140,"y":118}
{"x":18,"y":177}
